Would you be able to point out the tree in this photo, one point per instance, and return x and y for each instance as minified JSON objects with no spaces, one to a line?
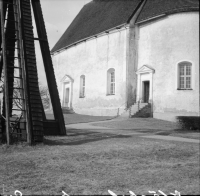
{"x":44,"y":93}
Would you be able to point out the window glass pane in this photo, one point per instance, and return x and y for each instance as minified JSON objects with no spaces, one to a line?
{"x":181,"y":82}
{"x":112,"y":75}
{"x":112,"y":88}
{"x":182,"y":70}
{"x":111,"y":81}
{"x":188,"y":82}
{"x":188,"y":70}
{"x":83,"y":92}
{"x":82,"y":86}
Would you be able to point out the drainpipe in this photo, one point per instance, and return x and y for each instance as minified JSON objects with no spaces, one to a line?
{"x":132,"y":56}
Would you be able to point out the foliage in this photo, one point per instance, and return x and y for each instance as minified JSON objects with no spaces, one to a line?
{"x":189,"y":122}
{"x":44,"y":93}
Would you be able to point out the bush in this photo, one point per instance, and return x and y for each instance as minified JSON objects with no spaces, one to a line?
{"x":189,"y":122}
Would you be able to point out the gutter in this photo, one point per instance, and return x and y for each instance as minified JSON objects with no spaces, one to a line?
{"x":90,"y":37}
{"x":174,"y":11}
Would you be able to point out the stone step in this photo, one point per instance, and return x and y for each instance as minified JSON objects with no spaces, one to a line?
{"x":144,"y":112}
{"x":134,"y":110}
{"x":67,"y":110}
{"x":135,"y":107}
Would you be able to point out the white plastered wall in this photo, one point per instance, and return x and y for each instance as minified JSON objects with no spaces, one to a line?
{"x":163,"y":43}
{"x":93,"y":58}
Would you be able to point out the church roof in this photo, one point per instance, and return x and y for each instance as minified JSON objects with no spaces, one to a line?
{"x":101,"y":15}
{"x":96,"y":17}
{"x":154,"y":8}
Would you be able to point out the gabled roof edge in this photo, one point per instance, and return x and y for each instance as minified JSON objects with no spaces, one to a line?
{"x":87,"y":38}
{"x":187,"y":9}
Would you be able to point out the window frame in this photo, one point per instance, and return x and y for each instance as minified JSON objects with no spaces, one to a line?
{"x":183,"y":73}
{"x":82,"y":87}
{"x":111,"y":78}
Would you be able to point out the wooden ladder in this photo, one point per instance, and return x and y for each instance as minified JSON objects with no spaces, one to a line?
{"x":20,"y":78}
{"x":14,"y":110}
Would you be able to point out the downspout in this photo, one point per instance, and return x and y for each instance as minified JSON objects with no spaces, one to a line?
{"x":131,"y":56}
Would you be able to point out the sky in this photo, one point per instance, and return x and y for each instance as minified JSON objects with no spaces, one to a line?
{"x":58,"y":15}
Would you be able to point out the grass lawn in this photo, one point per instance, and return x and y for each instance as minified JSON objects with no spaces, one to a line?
{"x":80,"y":118}
{"x":150,"y":125}
{"x":89,"y":162}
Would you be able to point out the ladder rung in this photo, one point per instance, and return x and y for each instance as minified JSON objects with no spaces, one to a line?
{"x":18,"y":77}
{"x":12,"y":47}
{"x":14,"y":38}
{"x":18,"y":121}
{"x":19,"y":110}
{"x":18,"y":88}
{"x":16,"y":98}
{"x":20,"y":134}
{"x":15,"y":77}
{"x":12,"y":12}
{"x":13,"y":57}
{"x":11,"y":29}
{"x":8,"y":3}
{"x":11,"y":20}
{"x":14,"y":67}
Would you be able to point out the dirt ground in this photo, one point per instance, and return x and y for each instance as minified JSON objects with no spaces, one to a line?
{"x":151,"y":126}
{"x":80,"y":118}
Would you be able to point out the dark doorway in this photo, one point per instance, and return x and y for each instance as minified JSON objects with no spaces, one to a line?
{"x":146,"y":91}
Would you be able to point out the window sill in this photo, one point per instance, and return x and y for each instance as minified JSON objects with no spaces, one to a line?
{"x":82,"y":97}
{"x":184,"y":89}
{"x":109,"y":94}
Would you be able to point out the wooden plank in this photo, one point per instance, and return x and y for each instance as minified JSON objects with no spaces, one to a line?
{"x":34,"y":98}
{"x":48,"y":65}
{"x":5,"y":75}
{"x":37,"y":128}
{"x":33,"y":88}
{"x":37,"y":118}
{"x":40,"y":123}
{"x":28,"y":26}
{"x":35,"y":106}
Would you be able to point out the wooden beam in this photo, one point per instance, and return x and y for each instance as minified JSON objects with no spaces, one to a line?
{"x":48,"y":65}
{"x":5,"y":74}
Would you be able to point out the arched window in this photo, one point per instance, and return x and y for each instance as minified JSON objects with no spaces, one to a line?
{"x":82,"y":86}
{"x":185,"y":75}
{"x":111,"y":81}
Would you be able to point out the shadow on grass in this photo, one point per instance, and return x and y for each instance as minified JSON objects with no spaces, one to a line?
{"x":81,"y":137}
{"x":80,"y":118}
{"x":77,"y":132}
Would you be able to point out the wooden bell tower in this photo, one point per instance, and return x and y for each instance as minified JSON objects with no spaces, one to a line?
{"x":22,"y":115}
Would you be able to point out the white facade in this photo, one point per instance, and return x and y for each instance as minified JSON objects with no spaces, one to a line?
{"x":163,"y":43}
{"x":93,"y":58}
{"x":159,"y":46}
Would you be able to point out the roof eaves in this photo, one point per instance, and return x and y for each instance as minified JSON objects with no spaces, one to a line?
{"x":151,"y":18}
{"x":90,"y":37}
{"x":155,"y":16}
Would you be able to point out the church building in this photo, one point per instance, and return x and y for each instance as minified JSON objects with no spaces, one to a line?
{"x":119,"y":53}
